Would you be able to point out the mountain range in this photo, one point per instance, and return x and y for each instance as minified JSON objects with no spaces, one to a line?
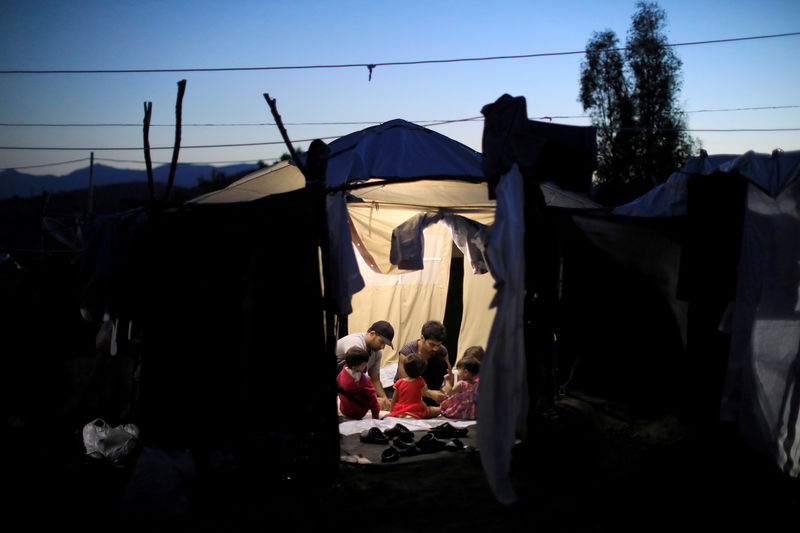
{"x":13,"y":183}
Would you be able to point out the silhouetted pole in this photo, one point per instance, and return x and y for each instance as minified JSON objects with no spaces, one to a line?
{"x":314,"y":171}
{"x":279,"y":123}
{"x":148,"y":111}
{"x":177,"y":147}
{"x":90,"y":209}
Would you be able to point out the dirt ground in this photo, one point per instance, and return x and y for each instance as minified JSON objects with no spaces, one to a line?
{"x":579,"y":470}
{"x":583,"y":470}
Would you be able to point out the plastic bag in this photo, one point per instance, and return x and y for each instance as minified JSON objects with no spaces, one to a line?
{"x":103,"y":441}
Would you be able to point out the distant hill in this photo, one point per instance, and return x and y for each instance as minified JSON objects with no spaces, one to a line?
{"x":23,"y":217}
{"x":13,"y":183}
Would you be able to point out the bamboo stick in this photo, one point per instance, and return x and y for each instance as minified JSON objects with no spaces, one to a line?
{"x":148,"y":111}
{"x":178,"y":112}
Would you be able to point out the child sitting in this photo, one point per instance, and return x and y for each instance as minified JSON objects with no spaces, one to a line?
{"x":474,"y":351}
{"x":460,"y":404}
{"x":356,"y":391}
{"x":407,"y":398}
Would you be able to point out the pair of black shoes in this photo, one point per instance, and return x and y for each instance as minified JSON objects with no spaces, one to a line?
{"x":448,"y":431}
{"x":376,"y":436}
{"x":429,"y":443}
{"x":399,"y":431}
{"x":401,"y":448}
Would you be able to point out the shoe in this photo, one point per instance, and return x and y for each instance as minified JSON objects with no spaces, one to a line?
{"x":430,"y":444}
{"x":447,"y":431}
{"x":410,"y":451}
{"x":401,"y":445}
{"x":389,"y":455}
{"x":453,"y":445}
{"x":399,"y":430}
{"x":374,"y":436}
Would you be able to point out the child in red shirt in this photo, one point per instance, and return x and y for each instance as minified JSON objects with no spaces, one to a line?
{"x":356,"y":392}
{"x":407,"y":398}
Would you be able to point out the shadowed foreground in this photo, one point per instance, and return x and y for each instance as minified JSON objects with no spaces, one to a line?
{"x":581,"y":470}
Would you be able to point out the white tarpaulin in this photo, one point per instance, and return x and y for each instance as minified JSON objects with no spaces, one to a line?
{"x":761,"y":384}
{"x":503,"y":405}
{"x":761,"y":388}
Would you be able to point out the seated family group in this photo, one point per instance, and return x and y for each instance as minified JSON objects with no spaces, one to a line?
{"x":424,"y":385}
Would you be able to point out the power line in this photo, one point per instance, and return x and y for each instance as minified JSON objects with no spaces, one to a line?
{"x":111,"y":149}
{"x":240,"y":145}
{"x":372,"y":66}
{"x":743,"y":109}
{"x":48,"y":164}
{"x":254,"y":161}
{"x":426,"y":123}
{"x":127,"y":124}
{"x":141,"y":161}
{"x":139,"y":125}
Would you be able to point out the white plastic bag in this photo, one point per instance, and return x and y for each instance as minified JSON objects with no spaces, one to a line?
{"x":103,"y":441}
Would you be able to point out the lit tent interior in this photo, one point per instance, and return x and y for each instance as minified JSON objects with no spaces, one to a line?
{"x":440,"y":214}
{"x":391,"y":247}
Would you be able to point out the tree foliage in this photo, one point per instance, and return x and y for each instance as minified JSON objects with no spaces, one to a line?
{"x":632,"y":97}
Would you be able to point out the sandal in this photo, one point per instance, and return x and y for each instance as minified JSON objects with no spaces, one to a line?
{"x":400,"y":431}
{"x":447,"y":431}
{"x":374,"y":436}
{"x":389,"y":455}
{"x":453,"y":445}
{"x":430,"y":444}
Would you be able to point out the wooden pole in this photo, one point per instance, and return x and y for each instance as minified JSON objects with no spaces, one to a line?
{"x":273,"y":107}
{"x":90,"y":208}
{"x":314,"y":172}
{"x":148,"y":111}
{"x":178,"y":112}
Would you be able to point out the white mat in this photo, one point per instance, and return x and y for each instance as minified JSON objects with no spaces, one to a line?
{"x":354,"y":427}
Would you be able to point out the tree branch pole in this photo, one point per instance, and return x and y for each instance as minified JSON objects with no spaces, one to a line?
{"x":279,"y":122}
{"x":90,"y":206}
{"x":148,"y":111}
{"x":178,"y":112}
{"x":314,"y":172}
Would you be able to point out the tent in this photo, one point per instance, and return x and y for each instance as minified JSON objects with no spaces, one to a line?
{"x":410,"y":294}
{"x":448,"y":186}
{"x":400,"y":194}
{"x":740,"y":257}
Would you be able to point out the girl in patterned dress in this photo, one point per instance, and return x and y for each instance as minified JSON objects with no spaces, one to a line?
{"x":460,"y":403}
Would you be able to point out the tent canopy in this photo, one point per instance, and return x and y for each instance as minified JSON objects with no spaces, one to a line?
{"x":451,"y":184}
{"x":400,"y":149}
{"x":451,"y":177}
{"x":742,"y":253}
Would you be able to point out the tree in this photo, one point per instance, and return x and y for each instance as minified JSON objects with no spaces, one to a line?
{"x":633,"y":102}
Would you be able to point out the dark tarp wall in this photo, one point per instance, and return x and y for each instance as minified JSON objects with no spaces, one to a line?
{"x":234,"y":399}
{"x":233,"y":345}
{"x":620,"y":328}
{"x":642,"y":300}
{"x":709,"y":271}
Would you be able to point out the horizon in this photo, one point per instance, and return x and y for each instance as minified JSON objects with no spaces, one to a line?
{"x":155,"y":167}
{"x":739,"y":96}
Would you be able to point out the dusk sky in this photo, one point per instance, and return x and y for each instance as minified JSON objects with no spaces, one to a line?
{"x":722,"y":82}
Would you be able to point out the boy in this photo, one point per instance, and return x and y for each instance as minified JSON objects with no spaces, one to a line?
{"x":356,"y":392}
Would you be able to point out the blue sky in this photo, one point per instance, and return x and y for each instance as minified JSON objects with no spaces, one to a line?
{"x":90,"y":35}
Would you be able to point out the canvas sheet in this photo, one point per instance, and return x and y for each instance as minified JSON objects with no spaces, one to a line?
{"x":355,"y":427}
{"x":352,"y":450}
